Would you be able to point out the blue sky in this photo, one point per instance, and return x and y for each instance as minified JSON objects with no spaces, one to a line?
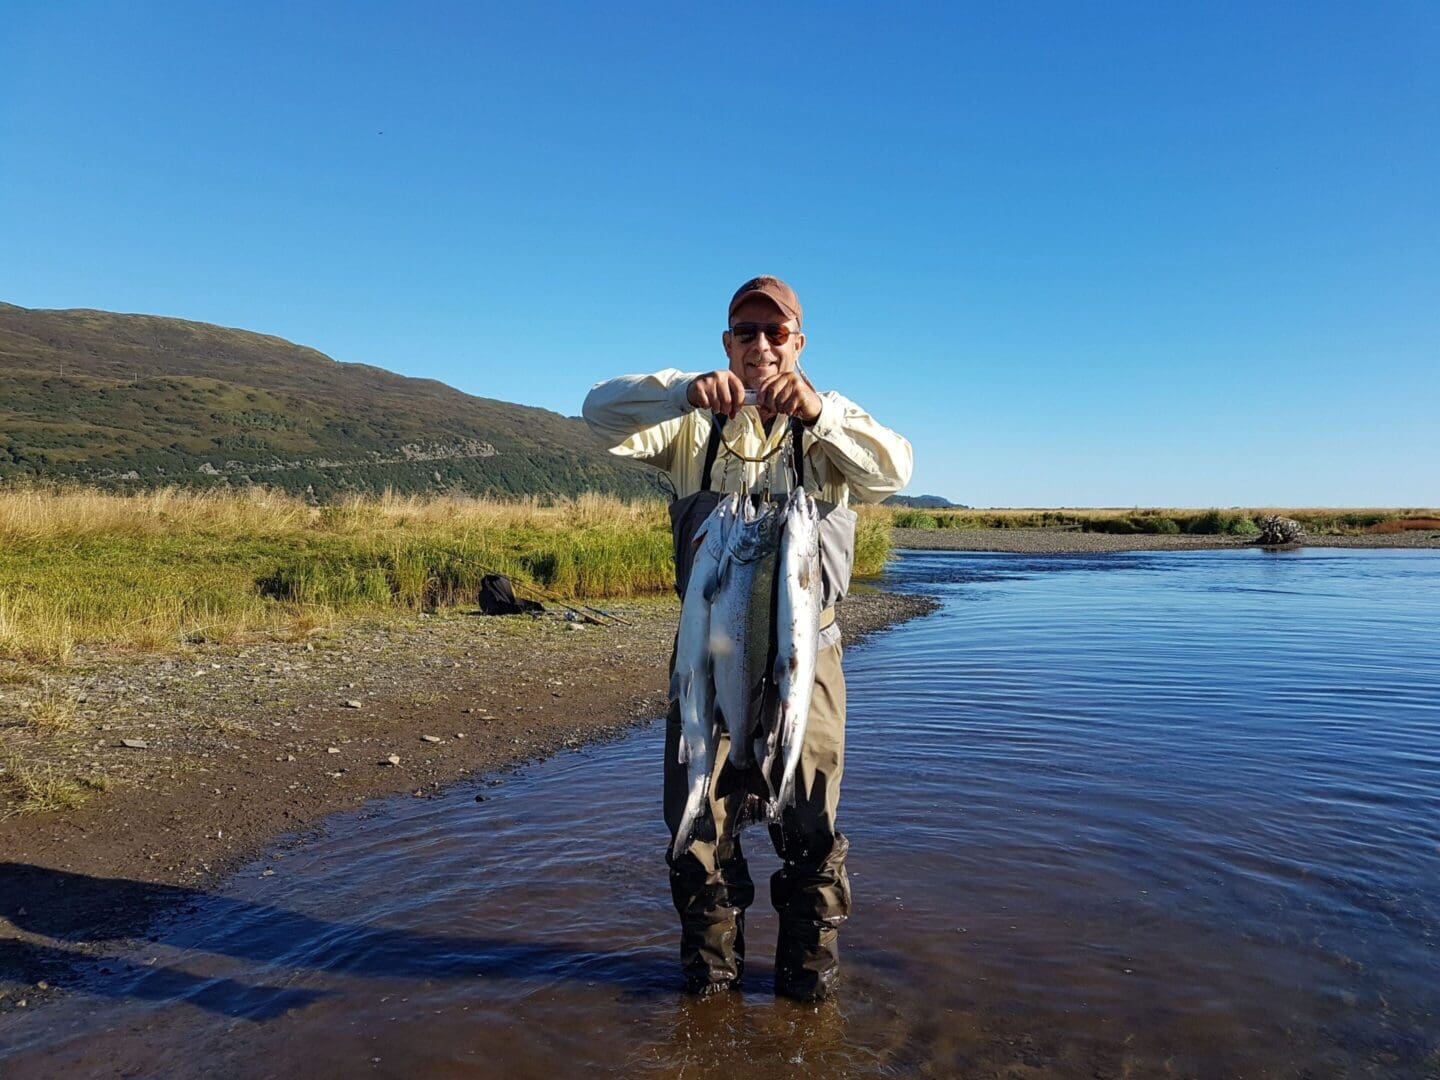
{"x":1080,"y":254}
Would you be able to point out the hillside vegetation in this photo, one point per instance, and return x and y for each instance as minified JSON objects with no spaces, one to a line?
{"x":138,"y":401}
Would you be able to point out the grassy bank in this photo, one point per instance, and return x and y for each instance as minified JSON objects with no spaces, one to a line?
{"x":160,"y":569}
{"x":1195,"y":522}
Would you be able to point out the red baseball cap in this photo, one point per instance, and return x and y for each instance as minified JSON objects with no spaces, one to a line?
{"x":772,"y":289}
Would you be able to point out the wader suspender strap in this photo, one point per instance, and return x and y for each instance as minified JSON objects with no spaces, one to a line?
{"x":711,"y":449}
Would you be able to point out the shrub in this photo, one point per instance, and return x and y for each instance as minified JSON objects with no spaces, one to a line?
{"x":915,"y":519}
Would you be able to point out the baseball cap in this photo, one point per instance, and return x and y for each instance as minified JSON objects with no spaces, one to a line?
{"x":774,"y":290}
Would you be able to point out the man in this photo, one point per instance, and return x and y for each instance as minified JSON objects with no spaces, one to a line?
{"x":699,"y":429}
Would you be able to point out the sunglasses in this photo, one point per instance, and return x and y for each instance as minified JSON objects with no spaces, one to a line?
{"x":746,"y":332}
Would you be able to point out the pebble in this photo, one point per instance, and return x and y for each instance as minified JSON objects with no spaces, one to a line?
{"x":429,"y":738}
{"x":352,"y":704}
{"x":332,"y":750}
{"x":135,"y":744}
{"x":393,"y":759}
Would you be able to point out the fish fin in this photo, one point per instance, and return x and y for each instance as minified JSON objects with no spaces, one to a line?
{"x":748,"y":780}
{"x":726,"y":782}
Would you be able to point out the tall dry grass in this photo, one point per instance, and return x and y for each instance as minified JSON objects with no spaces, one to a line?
{"x":154,"y":570}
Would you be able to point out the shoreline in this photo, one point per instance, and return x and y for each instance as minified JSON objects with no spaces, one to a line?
{"x":1074,"y":542}
{"x":247,"y":743}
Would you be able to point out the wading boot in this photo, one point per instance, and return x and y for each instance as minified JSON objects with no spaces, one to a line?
{"x":712,"y":951}
{"x":807,"y":960}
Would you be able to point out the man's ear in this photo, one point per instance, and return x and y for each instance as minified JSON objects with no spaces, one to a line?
{"x":799,"y":345}
{"x":725,"y":342}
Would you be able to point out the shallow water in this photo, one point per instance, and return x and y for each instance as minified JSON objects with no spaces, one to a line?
{"x":1159,"y":814}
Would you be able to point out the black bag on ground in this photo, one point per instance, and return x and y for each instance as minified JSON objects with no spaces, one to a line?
{"x":497,"y":597}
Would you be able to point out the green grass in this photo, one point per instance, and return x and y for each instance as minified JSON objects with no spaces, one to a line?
{"x":915,"y":519}
{"x":159,"y":570}
{"x":872,"y":540}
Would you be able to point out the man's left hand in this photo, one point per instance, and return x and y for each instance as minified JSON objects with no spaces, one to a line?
{"x":788,"y":394}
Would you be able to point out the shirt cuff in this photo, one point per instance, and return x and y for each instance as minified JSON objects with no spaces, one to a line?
{"x":678,"y":396}
{"x":827,"y":424}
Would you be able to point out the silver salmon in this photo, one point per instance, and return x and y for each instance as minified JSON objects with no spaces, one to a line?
{"x":797,"y":636}
{"x":690,"y":682}
{"x":741,"y":628}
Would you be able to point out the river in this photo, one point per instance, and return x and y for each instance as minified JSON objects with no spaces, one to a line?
{"x":1119,"y":815}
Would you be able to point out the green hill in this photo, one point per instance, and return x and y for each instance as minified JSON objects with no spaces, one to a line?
{"x":127,"y":401}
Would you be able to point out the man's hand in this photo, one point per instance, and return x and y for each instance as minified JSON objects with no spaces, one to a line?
{"x":788,"y":394}
{"x":718,"y":391}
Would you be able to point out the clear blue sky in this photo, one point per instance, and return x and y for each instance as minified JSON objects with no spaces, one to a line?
{"x":1081,"y":254}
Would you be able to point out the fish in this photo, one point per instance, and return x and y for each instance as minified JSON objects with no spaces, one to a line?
{"x":797,"y":638}
{"x":741,"y":631}
{"x":691,"y":683}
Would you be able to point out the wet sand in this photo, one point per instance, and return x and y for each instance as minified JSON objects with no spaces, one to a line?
{"x":1073,"y":541}
{"x":246,"y":742}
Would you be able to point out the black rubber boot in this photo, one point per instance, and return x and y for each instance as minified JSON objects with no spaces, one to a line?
{"x":807,"y":961}
{"x":712,"y":922}
{"x":811,"y":893}
{"x":712,"y":952}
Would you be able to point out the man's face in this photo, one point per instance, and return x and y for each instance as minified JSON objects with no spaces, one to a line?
{"x":758,"y":360}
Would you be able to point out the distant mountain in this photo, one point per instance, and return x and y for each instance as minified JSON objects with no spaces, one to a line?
{"x":923,"y":502}
{"x":126,"y":401}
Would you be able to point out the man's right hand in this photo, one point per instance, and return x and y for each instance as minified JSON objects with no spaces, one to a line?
{"x":718,"y":391}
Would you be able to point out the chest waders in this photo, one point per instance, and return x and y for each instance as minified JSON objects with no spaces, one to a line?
{"x":710,"y":883}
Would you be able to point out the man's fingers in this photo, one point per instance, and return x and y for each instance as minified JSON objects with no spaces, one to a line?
{"x":736,"y":391}
{"x":719,"y":391}
{"x":725,"y":397}
{"x":779,"y":394}
{"x":768,"y":396}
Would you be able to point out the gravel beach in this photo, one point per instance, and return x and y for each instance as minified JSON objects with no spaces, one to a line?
{"x":1073,"y":541}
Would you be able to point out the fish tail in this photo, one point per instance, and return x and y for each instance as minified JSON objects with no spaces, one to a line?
{"x":694,"y":807}
{"x":786,"y":797}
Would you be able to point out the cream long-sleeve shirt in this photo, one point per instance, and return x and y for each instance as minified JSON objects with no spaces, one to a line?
{"x":848,"y":456}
